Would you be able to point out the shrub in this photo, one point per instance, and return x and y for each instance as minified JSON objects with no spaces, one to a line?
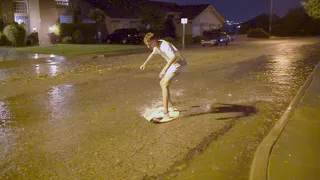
{"x":66,"y":40}
{"x":16,"y":34}
{"x":257,"y":33}
{"x":78,"y":37}
{"x":22,"y":35}
{"x":2,"y":25}
{"x":56,"y":29}
{"x":187,"y":39}
{"x":196,"y":39}
{"x":53,"y":38}
{"x":3,"y":40}
{"x":88,"y":31}
{"x":11,"y":32}
{"x":66,"y":29}
{"x":33,"y":39}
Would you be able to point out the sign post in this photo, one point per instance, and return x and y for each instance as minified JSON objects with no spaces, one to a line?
{"x":184,"y":21}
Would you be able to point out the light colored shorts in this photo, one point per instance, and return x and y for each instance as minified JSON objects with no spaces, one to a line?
{"x":175,"y":69}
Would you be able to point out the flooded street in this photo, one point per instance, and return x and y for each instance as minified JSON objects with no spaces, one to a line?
{"x":81,"y":118}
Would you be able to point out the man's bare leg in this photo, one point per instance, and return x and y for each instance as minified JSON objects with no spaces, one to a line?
{"x":169,"y":99}
{"x":165,"y":95}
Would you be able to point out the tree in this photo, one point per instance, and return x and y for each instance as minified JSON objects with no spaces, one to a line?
{"x":169,"y":29}
{"x":153,"y":18}
{"x":261,"y":21}
{"x":98,"y":16}
{"x":294,"y":21}
{"x":313,"y":8}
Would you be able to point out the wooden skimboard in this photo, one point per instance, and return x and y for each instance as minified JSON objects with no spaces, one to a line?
{"x":154,"y":115}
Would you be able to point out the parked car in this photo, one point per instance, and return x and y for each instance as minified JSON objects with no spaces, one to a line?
{"x":125,"y":36}
{"x":215,"y":38}
{"x":232,"y":37}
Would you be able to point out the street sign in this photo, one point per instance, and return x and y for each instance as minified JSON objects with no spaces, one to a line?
{"x":184,"y":20}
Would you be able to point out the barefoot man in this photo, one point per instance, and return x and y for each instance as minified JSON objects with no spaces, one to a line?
{"x":175,"y":64}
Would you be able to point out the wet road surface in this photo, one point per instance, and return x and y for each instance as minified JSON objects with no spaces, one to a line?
{"x":81,"y":118}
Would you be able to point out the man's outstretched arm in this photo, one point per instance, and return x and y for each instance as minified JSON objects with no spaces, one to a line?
{"x":142,"y":67}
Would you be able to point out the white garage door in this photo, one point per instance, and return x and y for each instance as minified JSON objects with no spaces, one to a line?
{"x":206,"y":27}
{"x":196,"y":30}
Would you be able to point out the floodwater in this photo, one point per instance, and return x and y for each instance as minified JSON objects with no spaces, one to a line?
{"x":81,"y":118}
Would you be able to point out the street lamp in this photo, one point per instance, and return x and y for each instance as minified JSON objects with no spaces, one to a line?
{"x":270,"y":24}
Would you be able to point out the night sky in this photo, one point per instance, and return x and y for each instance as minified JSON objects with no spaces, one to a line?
{"x":242,"y":10}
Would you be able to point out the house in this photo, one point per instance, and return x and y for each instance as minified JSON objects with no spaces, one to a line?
{"x":200,"y":17}
{"x":39,"y":15}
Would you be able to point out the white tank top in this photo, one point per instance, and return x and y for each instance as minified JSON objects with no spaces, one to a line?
{"x":169,"y":51}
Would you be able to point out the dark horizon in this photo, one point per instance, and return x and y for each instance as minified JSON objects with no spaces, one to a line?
{"x":246,"y":9}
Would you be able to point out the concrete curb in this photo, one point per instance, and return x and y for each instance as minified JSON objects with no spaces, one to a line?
{"x":260,"y":164}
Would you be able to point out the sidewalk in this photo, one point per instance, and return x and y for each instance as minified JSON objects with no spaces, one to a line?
{"x":291,"y":151}
{"x":296,"y":154}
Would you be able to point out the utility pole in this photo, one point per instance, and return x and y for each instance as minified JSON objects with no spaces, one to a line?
{"x":271,"y":11}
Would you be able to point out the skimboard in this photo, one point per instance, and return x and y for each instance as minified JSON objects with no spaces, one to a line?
{"x":156,"y":115}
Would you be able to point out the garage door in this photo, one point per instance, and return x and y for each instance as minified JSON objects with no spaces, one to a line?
{"x":196,"y":30}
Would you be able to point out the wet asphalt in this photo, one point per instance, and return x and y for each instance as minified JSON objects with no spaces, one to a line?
{"x":80,"y":118}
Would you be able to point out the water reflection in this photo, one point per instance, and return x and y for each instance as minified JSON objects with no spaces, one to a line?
{"x":5,"y":114}
{"x":281,"y":69}
{"x":5,"y":130}
{"x":60,"y":101}
{"x":51,"y":67}
{"x":7,"y":54}
{"x":286,"y":72}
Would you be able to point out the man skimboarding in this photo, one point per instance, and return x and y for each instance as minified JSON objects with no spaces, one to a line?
{"x":175,"y":64}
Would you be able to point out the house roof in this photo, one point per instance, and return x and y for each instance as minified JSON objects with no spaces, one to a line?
{"x":130,"y":10}
{"x":192,"y":11}
{"x":165,"y":6}
{"x":121,"y":13}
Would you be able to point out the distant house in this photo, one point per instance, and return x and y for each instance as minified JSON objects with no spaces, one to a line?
{"x":201,"y":17}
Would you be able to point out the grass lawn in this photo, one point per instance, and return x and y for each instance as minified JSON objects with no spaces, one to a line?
{"x":79,"y":49}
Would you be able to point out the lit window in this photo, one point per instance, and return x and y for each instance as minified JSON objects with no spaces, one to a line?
{"x":20,"y":7}
{"x":66,"y":19}
{"x":62,"y":2}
